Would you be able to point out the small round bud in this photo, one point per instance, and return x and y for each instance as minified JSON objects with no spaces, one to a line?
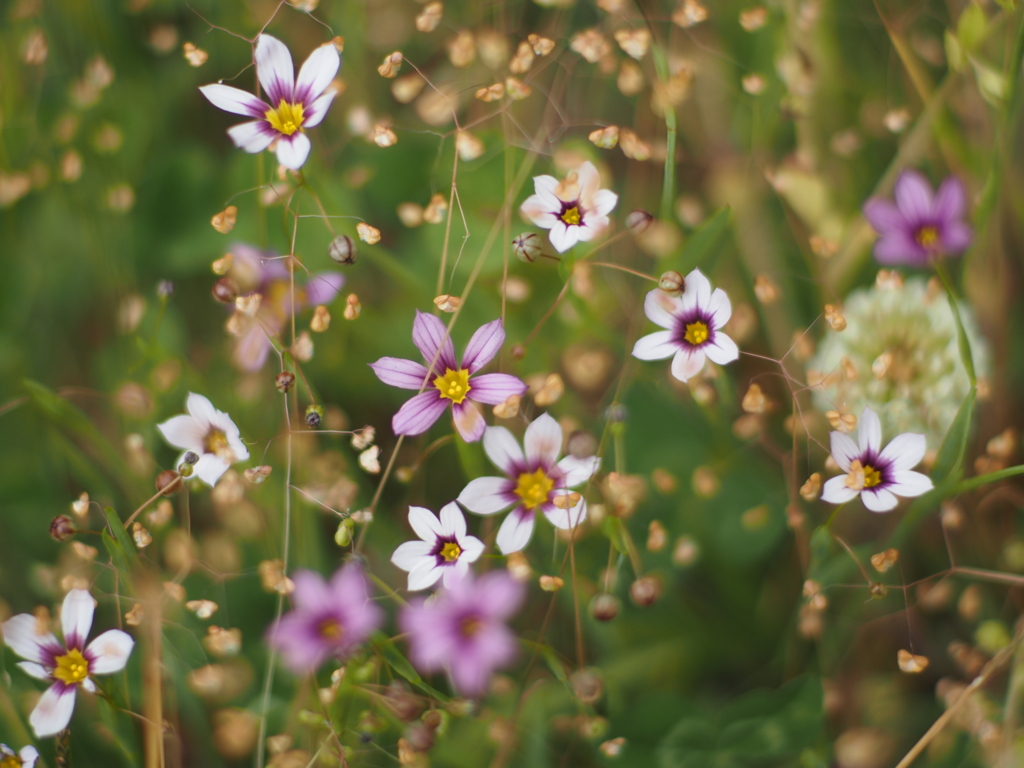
{"x":185,"y":469}
{"x":283,"y":381}
{"x":587,"y":685}
{"x":165,"y":289}
{"x":314,"y":415}
{"x":518,"y":351}
{"x":527,"y":247}
{"x":645,"y":591}
{"x":671,"y":282}
{"x":638,"y":221}
{"x":343,"y":250}
{"x":604,"y":606}
{"x":190,"y":457}
{"x":617,"y":413}
{"x":878,"y":590}
{"x":63,"y":528}
{"x":225,"y":290}
{"x":167,"y":482}
{"x":343,"y":536}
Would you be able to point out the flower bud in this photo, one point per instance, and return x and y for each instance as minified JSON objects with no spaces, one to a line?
{"x":638,"y":221}
{"x":165,"y":289}
{"x":645,"y":591}
{"x":63,"y":528}
{"x":284,"y":381}
{"x":587,"y":685}
{"x":604,"y":606}
{"x":672,"y":282}
{"x":190,"y":457}
{"x":343,"y":536}
{"x":527,"y":247}
{"x":518,"y":351}
{"x":314,"y":415}
{"x":343,"y":250}
{"x":167,"y":482}
{"x":225,"y":290}
{"x":185,"y":469}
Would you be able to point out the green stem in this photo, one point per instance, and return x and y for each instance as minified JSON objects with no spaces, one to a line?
{"x":669,"y":180}
{"x":965,"y":345}
{"x":991,"y":477}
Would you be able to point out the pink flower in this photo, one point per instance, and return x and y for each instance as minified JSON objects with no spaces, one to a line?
{"x":295,"y":104}
{"x":329,"y":620}
{"x":462,"y":629}
{"x":574,"y":209}
{"x":448,"y":382}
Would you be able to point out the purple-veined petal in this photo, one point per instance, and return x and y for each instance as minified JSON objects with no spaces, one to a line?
{"x":543,"y":441}
{"x":20,"y":636}
{"x":869,"y":432}
{"x":722,"y":350}
{"x":899,"y":248}
{"x":697,"y":291}
{"x":956,"y":237}
{"x":425,"y":524}
{"x":835,"y":491}
{"x":323,"y":287}
{"x":293,"y":150}
{"x":53,"y":710}
{"x":578,"y":471}
{"x":878,"y":499}
{"x":483,"y":346}
{"x":429,"y":334}
{"x":453,"y":522}
{"x":76,"y":617}
{"x":655,"y":346}
{"x":404,"y":374}
{"x":183,"y":432}
{"x":210,"y":468}
{"x":424,"y":578}
{"x":950,"y":202}
{"x":563,"y":236}
{"x":661,"y":308}
{"x":469,"y":421}
{"x":316,"y":73}
{"x":234,"y":100}
{"x":412,"y":554}
{"x":515,"y":531}
{"x":604,"y":202}
{"x":274,"y":69}
{"x":317,"y":110}
{"x":687,"y":363}
{"x":253,"y":137}
{"x":720,"y":309}
{"x":419,"y":413}
{"x":503,"y":450}
{"x":905,"y":451}
{"x":38,"y":671}
{"x":843,"y":450}
{"x":913,"y":195}
{"x":487,"y":495}
{"x":495,"y":388}
{"x":884,"y":217}
{"x":109,"y":652}
{"x":909,"y":484}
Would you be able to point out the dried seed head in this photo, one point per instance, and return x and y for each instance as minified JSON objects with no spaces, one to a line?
{"x":223,"y":265}
{"x":392,"y":63}
{"x":383,"y":136}
{"x":910,"y":663}
{"x":314,"y":415}
{"x":447,"y":303}
{"x":35,"y":48}
{"x":632,"y":146}
{"x":509,"y":408}
{"x":523,"y":59}
{"x":753,"y":84}
{"x":141,"y":536}
{"x":883,"y":561}
{"x":491,"y":92}
{"x":405,"y":89}
{"x":634,"y":42}
{"x":690,"y":13}
{"x":566,"y":500}
{"x":639,"y":221}
{"x":369,"y":235}
{"x":221,"y":642}
{"x":897,"y":120}
{"x":364,"y":438}
{"x":204,"y":609}
{"x":224,"y":221}
{"x":841,"y":422}
{"x":878,"y":590}
{"x":167,"y":482}
{"x":519,"y":567}
{"x":705,"y":482}
{"x":284,"y":381}
{"x":321,"y":320}
{"x":135,"y":616}
{"x":657,"y":536}
{"x":196,"y":57}
{"x":428,"y":19}
{"x":755,"y":401}
{"x":516,"y":89}
{"x":1004,"y":445}
{"x":249,"y":305}
{"x":581,"y":444}
{"x":542,"y":46}
{"x":469,"y":146}
{"x":613,"y":747}
{"x":604,"y":606}
{"x":462,"y":49}
{"x":753,"y":19}
{"x":591,"y":45}
{"x":551,"y":583}
{"x":225,"y":290}
{"x":527,"y":247}
{"x":645,"y":591}
{"x":303,"y":347}
{"x":410,"y":214}
{"x":343,"y":250}
{"x":765,"y":289}
{"x":822,"y":247}
{"x":605,"y":138}
{"x":811,"y":489}
{"x":834,"y":318}
{"x":630,"y":80}
{"x":62,"y":528}
{"x":257,"y":475}
{"x":436,"y":209}
{"x":686,"y":551}
{"x":369,"y":459}
{"x":550,"y":391}
{"x":352,"y":307}
{"x":587,"y":684}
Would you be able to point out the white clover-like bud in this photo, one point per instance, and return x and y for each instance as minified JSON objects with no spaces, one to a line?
{"x":527,"y":247}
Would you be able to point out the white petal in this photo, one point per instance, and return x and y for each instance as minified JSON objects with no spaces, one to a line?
{"x":515,"y":532}
{"x":472,"y":548}
{"x":661,"y":308}
{"x":577,"y":471}
{"x":453,"y":522}
{"x":487,"y":495}
{"x":543,"y":441}
{"x":237,"y":446}
{"x":910,"y":484}
{"x":698,"y":290}
{"x":209,"y":468}
{"x":905,"y":451}
{"x":720,"y":308}
{"x":870,"y":431}
{"x":591,"y":225}
{"x":38,"y":671}
{"x":412,"y":555}
{"x":317,"y":111}
{"x":539,"y":211}
{"x":316,"y":73}
{"x":835,"y":491}
{"x":687,"y":363}
{"x":252,"y":137}
{"x":566,"y":518}
{"x":201,"y":409}
{"x":28,"y":756}
{"x":844,"y":450}
{"x":423,"y":578}
{"x":76,"y":617}
{"x":88,"y":685}
{"x":603,"y":201}
{"x":563,"y":236}
{"x":21,"y":637}
{"x":53,"y":712}
{"x":293,"y":150}
{"x":454,"y":573}
{"x":427,"y":526}
{"x":655,"y":346}
{"x":234,"y":100}
{"x":723,"y":350}
{"x":545,"y":187}
{"x":109,"y":652}
{"x":274,"y":69}
{"x":878,"y":500}
{"x":503,"y":450}
{"x":184,"y":432}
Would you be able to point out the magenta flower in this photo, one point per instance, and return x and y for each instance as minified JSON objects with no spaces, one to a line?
{"x":329,"y":619}
{"x":265,"y":273}
{"x":919,"y":225}
{"x":447,"y":381}
{"x":462,"y":630}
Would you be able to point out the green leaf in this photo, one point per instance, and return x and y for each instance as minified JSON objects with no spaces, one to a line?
{"x":970,"y":28}
{"x":707,"y":237}
{"x":1008,"y":5}
{"x":991,"y":84}
{"x":612,"y":528}
{"x":949,"y":460}
{"x":954,"y":52}
{"x":471,"y":458}
{"x":120,"y":548}
{"x":565,"y":265}
{"x":397,"y":661}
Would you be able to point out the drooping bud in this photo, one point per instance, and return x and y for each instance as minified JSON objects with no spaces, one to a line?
{"x":63,"y":528}
{"x":527,"y":247}
{"x":343,"y":536}
{"x":638,"y":221}
{"x":284,"y":381}
{"x":314,"y":415}
{"x":190,"y":457}
{"x":167,"y":482}
{"x":185,"y":469}
{"x":604,"y":606}
{"x":225,"y":290}
{"x":343,"y":250}
{"x":587,"y":685}
{"x":645,"y":591}
{"x":671,"y":281}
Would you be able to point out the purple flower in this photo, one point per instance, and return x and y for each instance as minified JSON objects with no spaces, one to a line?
{"x":878,"y":475}
{"x":265,"y":273}
{"x":920,"y":225}
{"x":462,"y":629}
{"x":448,"y":382}
{"x":534,"y":482}
{"x":329,"y":619}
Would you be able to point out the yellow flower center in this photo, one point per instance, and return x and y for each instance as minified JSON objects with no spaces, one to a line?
{"x":330,"y":629}
{"x":862,"y":476}
{"x":533,"y":488}
{"x":454,"y":385}
{"x":287,"y":118}
{"x":216,"y":442}
{"x":450,"y":552}
{"x":572,"y":216}
{"x":696,"y":333}
{"x":928,"y":237}
{"x":11,"y":761}
{"x":470,"y":626}
{"x":71,"y":668}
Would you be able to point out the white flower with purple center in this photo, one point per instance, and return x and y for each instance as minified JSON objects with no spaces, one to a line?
{"x":445,"y":549}
{"x":447,"y":382}
{"x":694,"y":323}
{"x":68,"y":665}
{"x":536,"y":480}
{"x":462,"y":630}
{"x":574,"y":209}
{"x":330,"y":619}
{"x":26,"y":758}
{"x":920,"y":225}
{"x":878,"y":475}
{"x":209,"y":433}
{"x":295,"y":104}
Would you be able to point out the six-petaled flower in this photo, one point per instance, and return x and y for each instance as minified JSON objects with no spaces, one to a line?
{"x":444,"y":550}
{"x":209,"y":433}
{"x":574,"y":209}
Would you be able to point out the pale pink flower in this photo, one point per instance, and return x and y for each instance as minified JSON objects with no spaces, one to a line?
{"x":445,"y":549}
{"x":210,"y":434}
{"x":574,"y":209}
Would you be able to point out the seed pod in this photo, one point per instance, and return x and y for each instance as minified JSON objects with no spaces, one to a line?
{"x":638,"y":221}
{"x":343,"y":250}
{"x":587,"y":685}
{"x":343,"y":536}
{"x":190,"y":457}
{"x":185,"y":469}
{"x":671,"y":281}
{"x":63,"y":528}
{"x":604,"y":606}
{"x":167,"y":482}
{"x":527,"y":247}
{"x":812,"y":488}
{"x":518,"y":351}
{"x":314,"y":415}
{"x":284,"y":381}
{"x":645,"y":591}
{"x":225,"y":290}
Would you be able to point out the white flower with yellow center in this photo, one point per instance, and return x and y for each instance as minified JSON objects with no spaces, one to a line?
{"x":210,"y":434}
{"x":26,"y":758}
{"x":536,"y":480}
{"x":574,"y":209}
{"x":445,"y":549}
{"x":67,"y":665}
{"x":295,"y":104}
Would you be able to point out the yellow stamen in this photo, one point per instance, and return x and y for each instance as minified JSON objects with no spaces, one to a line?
{"x":928,"y":237}
{"x":454,"y":385}
{"x":533,"y":488}
{"x":450,"y":552}
{"x":696,"y":333}
{"x":287,"y":118}
{"x":330,"y":629}
{"x":71,"y":668}
{"x":572,"y":216}
{"x":11,"y":761}
{"x":470,"y":626}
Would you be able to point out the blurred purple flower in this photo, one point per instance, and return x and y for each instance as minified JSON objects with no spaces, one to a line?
{"x":447,"y":381}
{"x":265,"y":273}
{"x":462,"y":629}
{"x":919,"y":225}
{"x":330,"y":619}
